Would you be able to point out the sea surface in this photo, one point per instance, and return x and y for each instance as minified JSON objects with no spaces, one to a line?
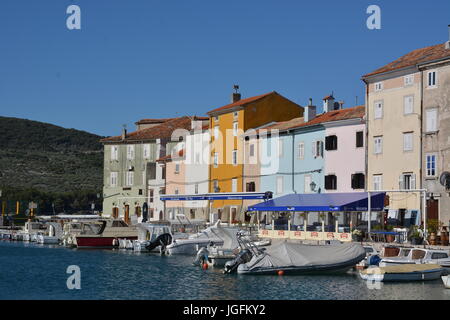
{"x":32,"y":271}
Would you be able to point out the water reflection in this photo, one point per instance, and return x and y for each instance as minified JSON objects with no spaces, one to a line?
{"x":31,"y":271}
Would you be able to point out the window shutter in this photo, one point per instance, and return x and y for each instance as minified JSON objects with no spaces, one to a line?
{"x":413,"y":181}
{"x":401,"y":184}
{"x":314,"y":148}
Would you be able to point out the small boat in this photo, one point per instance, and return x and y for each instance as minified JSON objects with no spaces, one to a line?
{"x":190,"y":246}
{"x":404,"y":272}
{"x":446,"y":281}
{"x":418,"y":256}
{"x":295,"y":258}
{"x":104,"y":233}
{"x":147,"y":233}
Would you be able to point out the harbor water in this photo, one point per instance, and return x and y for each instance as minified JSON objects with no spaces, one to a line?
{"x":32,"y":271}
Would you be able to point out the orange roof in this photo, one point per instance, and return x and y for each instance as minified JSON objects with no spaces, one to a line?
{"x":241,"y":102}
{"x":413,"y":58}
{"x":153,"y":121}
{"x":163,"y":130}
{"x":336,"y":115}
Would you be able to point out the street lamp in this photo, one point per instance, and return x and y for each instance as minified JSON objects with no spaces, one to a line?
{"x":312,"y":185}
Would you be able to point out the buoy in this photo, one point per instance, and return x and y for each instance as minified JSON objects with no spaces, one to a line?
{"x":205,"y":266}
{"x":280,"y":272}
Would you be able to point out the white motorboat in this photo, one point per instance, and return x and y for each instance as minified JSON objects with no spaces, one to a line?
{"x":212,"y":235}
{"x":403,"y":272}
{"x":148,"y":233}
{"x":43,"y":239}
{"x":419,"y":256}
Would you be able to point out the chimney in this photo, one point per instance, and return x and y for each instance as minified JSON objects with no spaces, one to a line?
{"x":235,"y":96}
{"x":310,"y":111}
{"x":124,"y":132}
{"x":447,"y":44}
{"x":328,"y":103}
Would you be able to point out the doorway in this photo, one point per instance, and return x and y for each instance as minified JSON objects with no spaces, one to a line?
{"x":233,"y":214}
{"x":127,"y":214}
{"x":432,"y":209}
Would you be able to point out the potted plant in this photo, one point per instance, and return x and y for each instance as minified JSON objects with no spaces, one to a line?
{"x":416,"y":236}
{"x":432,"y":228}
{"x":357,"y":235}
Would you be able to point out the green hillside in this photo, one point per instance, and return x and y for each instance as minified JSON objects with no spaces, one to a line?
{"x":45,"y":159}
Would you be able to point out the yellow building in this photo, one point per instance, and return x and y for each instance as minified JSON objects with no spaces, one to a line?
{"x":227,"y":125}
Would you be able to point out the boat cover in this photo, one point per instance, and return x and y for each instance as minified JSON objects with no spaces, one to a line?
{"x":403,"y":268}
{"x":289,"y":254}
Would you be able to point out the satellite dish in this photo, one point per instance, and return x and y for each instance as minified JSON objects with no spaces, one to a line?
{"x":445,"y":179}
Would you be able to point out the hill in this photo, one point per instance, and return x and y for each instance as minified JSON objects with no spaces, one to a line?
{"x":49,"y":158}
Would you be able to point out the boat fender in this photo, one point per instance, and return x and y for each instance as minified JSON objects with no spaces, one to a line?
{"x":280,"y":272}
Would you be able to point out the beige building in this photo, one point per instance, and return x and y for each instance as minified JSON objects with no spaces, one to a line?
{"x":398,"y":98}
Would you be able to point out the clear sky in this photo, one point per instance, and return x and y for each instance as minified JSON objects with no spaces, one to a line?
{"x":136,"y":59}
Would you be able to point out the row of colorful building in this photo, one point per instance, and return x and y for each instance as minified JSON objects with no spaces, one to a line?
{"x":399,"y":140}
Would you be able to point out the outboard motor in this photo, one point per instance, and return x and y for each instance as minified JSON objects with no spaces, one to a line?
{"x":162,"y":240}
{"x":374,"y":260}
{"x":243,"y":256}
{"x":202,"y":256}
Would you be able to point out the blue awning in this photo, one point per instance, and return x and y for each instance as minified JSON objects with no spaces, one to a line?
{"x":218,"y":196}
{"x":355,"y":201}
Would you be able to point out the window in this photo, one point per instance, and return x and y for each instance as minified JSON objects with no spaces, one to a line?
{"x":407,"y":181}
{"x":114,"y":152}
{"x":408,"y":104}
{"x":280,"y":148}
{"x":358,"y":181}
{"x":308,"y":181}
{"x":130,"y":178}
{"x":252,"y":150}
{"x":216,"y":118}
{"x":432,"y":79}
{"x":177,"y":168}
{"x":360,"y":139}
{"x":378,"y":110}
{"x":234,"y":158}
{"x":378,"y":86}
{"x":301,"y":150}
{"x":431,"y":125}
{"x":279,"y":185}
{"x":331,"y":182}
{"x":235,"y":115}
{"x":317,"y":149}
{"x":377,"y":182}
{"x":378,"y":144}
{"x":113,"y":179}
{"x":408,"y":141}
{"x":439,"y":255}
{"x":216,"y":132}
{"x":216,"y":186}
{"x":150,"y":196}
{"x":216,"y":159}
{"x":431,"y":165}
{"x":408,"y":80}
{"x":331,"y":143}
{"x":176,"y":191}
{"x":196,"y":188}
{"x":130,"y":152}
{"x":235,"y":129}
{"x":250,"y":187}
{"x":146,"y":151}
{"x":234,"y":185}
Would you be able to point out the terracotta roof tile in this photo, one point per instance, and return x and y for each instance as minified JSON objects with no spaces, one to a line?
{"x":163,"y":130}
{"x":336,"y":115}
{"x":241,"y":102}
{"x":153,"y":121}
{"x":414,"y":57}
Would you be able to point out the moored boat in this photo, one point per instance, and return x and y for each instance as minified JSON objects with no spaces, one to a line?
{"x":404,"y":272}
{"x":418,"y":256}
{"x":104,"y":234}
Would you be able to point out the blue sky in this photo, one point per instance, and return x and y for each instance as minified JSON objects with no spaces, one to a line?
{"x":136,"y":59}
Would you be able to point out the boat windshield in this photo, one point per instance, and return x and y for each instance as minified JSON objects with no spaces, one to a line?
{"x":93,"y":228}
{"x":368,"y":249}
{"x":417,"y":254}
